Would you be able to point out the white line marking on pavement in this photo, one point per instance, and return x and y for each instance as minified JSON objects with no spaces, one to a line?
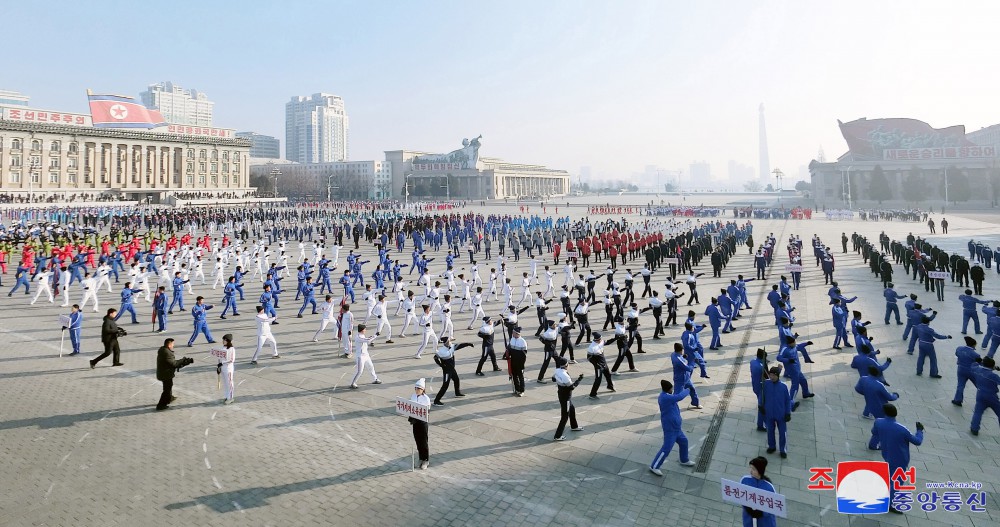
{"x":241,"y":382}
{"x":215,"y":481}
{"x":512,"y":481}
{"x":63,"y":460}
{"x":107,"y":415}
{"x":213,"y":415}
{"x":49,"y":491}
{"x":136,"y":393}
{"x":824,"y":511}
{"x":207,"y":464}
{"x":206,"y":432}
{"x":630,"y":471}
{"x":348,"y":436}
{"x":239,"y":507}
{"x":942,"y":415}
{"x":204,"y":447}
{"x":848,"y":445}
{"x":82,"y":438}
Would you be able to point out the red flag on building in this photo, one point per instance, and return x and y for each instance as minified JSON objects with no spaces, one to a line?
{"x":115,"y":111}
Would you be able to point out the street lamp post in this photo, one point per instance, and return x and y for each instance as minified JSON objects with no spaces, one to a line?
{"x":945,"y":187}
{"x":447,"y":188}
{"x":406,"y":188}
{"x":32,"y":170}
{"x":778,"y":175}
{"x":329,"y":186}
{"x":274,"y":175}
{"x":847,"y":189}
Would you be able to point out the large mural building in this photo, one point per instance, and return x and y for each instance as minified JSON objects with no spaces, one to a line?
{"x":906,"y":160}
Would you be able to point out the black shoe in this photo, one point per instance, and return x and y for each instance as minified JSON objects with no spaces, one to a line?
{"x":92,"y":365}
{"x":808,"y":395}
{"x":299,"y":315}
{"x":784,"y":455}
{"x":935,"y":376}
{"x":161,"y":408}
{"x":496,"y":369}
{"x":459,"y":395}
{"x":771,"y":450}
{"x":223,"y":317}
{"x":957,"y":403}
{"x":974,"y":432}
{"x":761,"y":429}
{"x":118,"y":364}
{"x":480,"y":374}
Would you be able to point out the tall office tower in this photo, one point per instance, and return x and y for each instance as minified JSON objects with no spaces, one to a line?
{"x":316,"y":129}
{"x":177,"y":105}
{"x":765,"y":163}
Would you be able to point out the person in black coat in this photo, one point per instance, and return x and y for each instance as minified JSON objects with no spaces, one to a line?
{"x":166,"y":366}
{"x":978,"y":275}
{"x":109,"y":337}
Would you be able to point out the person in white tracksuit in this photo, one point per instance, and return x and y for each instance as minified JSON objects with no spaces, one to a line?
{"x":44,"y":286}
{"x":264,"y":334}
{"x":362,"y":358}
{"x":329,"y":311}
{"x":89,"y":290}
{"x":346,"y":330}
{"x":226,"y":367}
{"x":381,"y":312}
{"x":430,"y":338}
{"x":64,"y":278}
{"x":477,"y":307}
{"x":409,"y":317}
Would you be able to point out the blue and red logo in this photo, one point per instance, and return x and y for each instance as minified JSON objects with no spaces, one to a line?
{"x":863,"y":487}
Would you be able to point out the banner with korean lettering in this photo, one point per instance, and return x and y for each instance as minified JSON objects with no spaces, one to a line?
{"x":408,"y":408}
{"x":747,"y":496}
{"x":32,"y":115}
{"x":948,"y":152}
{"x":868,"y":139}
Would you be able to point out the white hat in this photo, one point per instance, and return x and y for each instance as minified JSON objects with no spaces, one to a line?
{"x":420,"y":384}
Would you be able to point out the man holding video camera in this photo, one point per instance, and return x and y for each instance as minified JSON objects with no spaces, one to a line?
{"x":109,"y":337}
{"x":166,"y":366}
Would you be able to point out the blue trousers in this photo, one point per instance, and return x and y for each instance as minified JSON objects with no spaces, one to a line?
{"x":306,"y":301}
{"x":74,"y":339}
{"x":690,"y":386}
{"x":716,"y":338}
{"x":161,"y":320}
{"x":988,"y":337}
{"x":177,"y":300}
{"x":841,"y":337}
{"x":126,"y":308}
{"x":200,"y":327}
{"x":981,"y":405}
{"x":240,"y":289}
{"x":993,"y":347}
{"x":963,"y":375}
{"x":892,"y":308}
{"x":230,"y":304}
{"x":760,"y":416}
{"x":906,"y":330}
{"x":926,"y":351}
{"x":771,"y":423}
{"x":19,"y":283}
{"x":913,"y":342}
{"x":669,"y":438}
{"x":966,"y":316}
{"x":798,"y":379}
{"x":269,"y":309}
{"x":349,"y":291}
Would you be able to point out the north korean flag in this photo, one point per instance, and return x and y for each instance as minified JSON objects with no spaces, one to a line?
{"x":115,"y":111}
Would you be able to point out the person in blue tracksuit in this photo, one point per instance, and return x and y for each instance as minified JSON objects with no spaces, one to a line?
{"x":891,"y":303}
{"x":839,"y":314}
{"x":789,"y":356}
{"x":160,"y":308}
{"x":238,"y":275}
{"x":926,"y":336}
{"x":774,"y":296}
{"x":734,"y":293}
{"x":127,"y":294}
{"x":866,"y":358}
{"x":22,"y":278}
{"x":726,"y":307}
{"x":968,"y":361}
{"x":683,"y":367}
{"x":785,"y":288}
{"x":178,"y":296}
{"x":875,"y":394}
{"x":856,"y":324}
{"x":308,"y":296}
{"x":715,"y":321}
{"x":693,"y":348}
{"x":757,"y":480}
{"x":970,"y":311}
{"x":894,"y":440}
{"x":229,"y":297}
{"x":198,"y":313}
{"x":267,"y":301}
{"x":758,"y":375}
{"x":918,"y":316}
{"x":75,"y":328}
{"x":300,"y":276}
{"x":670,"y":421}
{"x":987,"y":383}
{"x":990,"y":311}
{"x":348,"y":287}
{"x":776,"y":405}
{"x":993,"y":324}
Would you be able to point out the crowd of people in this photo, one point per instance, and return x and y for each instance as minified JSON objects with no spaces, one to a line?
{"x":156,"y":257}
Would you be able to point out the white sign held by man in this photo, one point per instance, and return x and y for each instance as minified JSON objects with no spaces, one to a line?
{"x":793,"y":268}
{"x":747,"y":496}
{"x":408,"y":408}
{"x":670,"y":261}
{"x":939,"y":275}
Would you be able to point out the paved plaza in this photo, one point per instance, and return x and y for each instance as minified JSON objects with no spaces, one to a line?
{"x":85,"y":447}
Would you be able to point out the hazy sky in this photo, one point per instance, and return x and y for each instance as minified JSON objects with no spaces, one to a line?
{"x":613,"y":85}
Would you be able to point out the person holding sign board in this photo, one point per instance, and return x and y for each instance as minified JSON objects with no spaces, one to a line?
{"x":757,"y":479}
{"x":421,"y":428}
{"x":226,"y":367}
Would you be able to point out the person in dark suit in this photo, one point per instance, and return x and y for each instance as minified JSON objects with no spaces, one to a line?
{"x":109,"y":336}
{"x":166,"y":366}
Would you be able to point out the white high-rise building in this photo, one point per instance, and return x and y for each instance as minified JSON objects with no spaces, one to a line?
{"x":316,"y":129}
{"x":177,"y":105}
